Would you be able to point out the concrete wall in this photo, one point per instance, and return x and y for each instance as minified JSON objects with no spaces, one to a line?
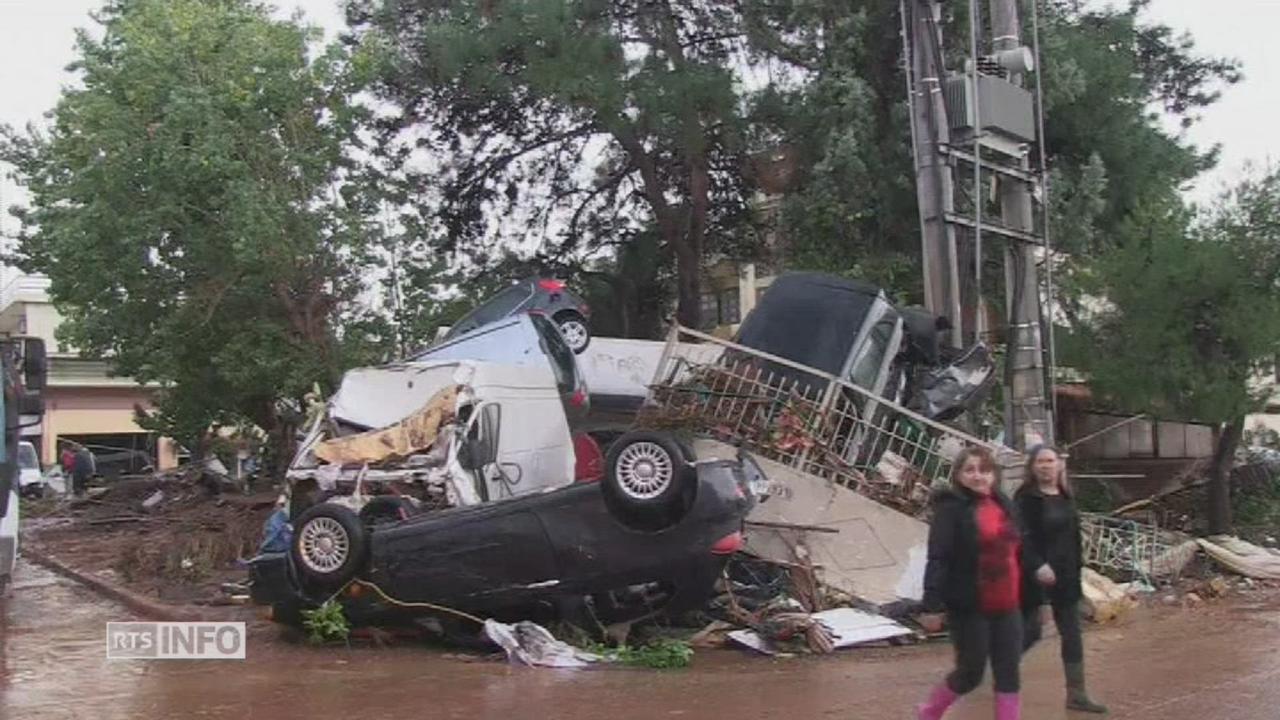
{"x":41,"y":321}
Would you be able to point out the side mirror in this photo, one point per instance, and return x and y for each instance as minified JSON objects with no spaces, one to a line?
{"x":35,"y":364}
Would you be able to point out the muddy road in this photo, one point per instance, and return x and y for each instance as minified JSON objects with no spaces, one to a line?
{"x":1219,"y":663}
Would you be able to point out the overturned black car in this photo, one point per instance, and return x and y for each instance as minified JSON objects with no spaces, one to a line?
{"x":652,"y":537}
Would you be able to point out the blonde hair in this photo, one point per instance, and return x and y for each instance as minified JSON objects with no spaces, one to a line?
{"x":987,"y":458}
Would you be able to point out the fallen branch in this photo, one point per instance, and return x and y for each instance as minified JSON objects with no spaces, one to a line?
{"x":792,"y":526}
{"x":122,"y":519}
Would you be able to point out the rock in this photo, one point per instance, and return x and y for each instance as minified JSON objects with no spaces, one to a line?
{"x":1169,"y":600}
{"x":153,"y":501}
{"x":1104,"y":601}
{"x":1218,"y":587}
{"x":1192,"y":600}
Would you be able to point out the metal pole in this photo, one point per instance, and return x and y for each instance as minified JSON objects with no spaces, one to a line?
{"x":1051,"y":300}
{"x":979,"y":318}
{"x":1025,"y":404}
{"x":933,"y":176}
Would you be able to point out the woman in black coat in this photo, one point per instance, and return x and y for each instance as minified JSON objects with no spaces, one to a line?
{"x":975,"y":573}
{"x":1053,"y":554}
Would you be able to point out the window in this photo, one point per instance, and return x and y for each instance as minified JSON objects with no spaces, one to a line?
{"x":502,"y":305}
{"x":730,"y":310}
{"x":710,"y":311}
{"x":720,"y":308}
{"x":558,"y":352}
{"x":27,"y":459}
{"x":866,"y":370}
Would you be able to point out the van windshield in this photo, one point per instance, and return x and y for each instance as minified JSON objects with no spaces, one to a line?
{"x":27,"y":459}
{"x":866,"y":371}
{"x":554,"y":345}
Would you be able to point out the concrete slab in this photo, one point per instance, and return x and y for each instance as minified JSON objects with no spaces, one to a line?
{"x":871,"y":555}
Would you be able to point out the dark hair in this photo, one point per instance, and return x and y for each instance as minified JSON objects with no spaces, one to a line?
{"x":1029,"y":481}
{"x":973,"y":451}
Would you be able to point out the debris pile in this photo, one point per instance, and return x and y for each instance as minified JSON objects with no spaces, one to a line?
{"x":736,"y":402}
{"x":783,"y":609}
{"x":176,"y":536}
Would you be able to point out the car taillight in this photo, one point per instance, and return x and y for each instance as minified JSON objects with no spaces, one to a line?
{"x":552,"y":285}
{"x":728,"y":544}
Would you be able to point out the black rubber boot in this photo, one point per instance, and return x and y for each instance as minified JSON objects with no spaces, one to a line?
{"x":1077,"y":697}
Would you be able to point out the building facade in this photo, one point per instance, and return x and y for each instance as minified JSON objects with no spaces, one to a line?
{"x":83,"y":402}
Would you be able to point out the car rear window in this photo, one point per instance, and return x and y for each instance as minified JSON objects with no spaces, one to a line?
{"x":496,"y":308}
{"x":553,"y":344}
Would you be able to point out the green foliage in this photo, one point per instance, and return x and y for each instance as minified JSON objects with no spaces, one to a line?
{"x":326,"y":623}
{"x":1103,"y":71}
{"x":658,"y":654}
{"x":196,"y":208}
{"x":1192,"y":313}
{"x":567,"y":127}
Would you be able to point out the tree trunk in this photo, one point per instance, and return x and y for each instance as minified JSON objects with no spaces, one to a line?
{"x":1220,"y":477}
{"x":688,"y":283}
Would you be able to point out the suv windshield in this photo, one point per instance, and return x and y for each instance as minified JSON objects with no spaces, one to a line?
{"x":554,"y":345}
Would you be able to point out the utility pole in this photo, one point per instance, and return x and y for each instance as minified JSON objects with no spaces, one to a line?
{"x":985,"y":119}
{"x":1026,"y":405}
{"x":930,"y":132}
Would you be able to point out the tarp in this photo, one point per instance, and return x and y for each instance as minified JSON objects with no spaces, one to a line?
{"x":412,"y":434}
{"x":528,"y":643}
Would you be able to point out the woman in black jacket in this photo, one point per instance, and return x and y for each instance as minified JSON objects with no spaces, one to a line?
{"x":975,"y":573}
{"x":1053,"y":552}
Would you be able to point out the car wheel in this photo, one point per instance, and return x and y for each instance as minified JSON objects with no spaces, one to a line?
{"x":329,"y":544}
{"x":575,"y":330}
{"x":646,"y":470}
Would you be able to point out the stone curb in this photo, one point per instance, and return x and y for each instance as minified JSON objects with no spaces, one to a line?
{"x":146,"y":607}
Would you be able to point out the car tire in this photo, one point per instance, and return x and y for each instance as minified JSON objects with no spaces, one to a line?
{"x":573,"y":326}
{"x":329,"y":545}
{"x":646,"y":471}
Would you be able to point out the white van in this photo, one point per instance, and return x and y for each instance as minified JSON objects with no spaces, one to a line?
{"x":524,"y":339}
{"x":518,"y":406}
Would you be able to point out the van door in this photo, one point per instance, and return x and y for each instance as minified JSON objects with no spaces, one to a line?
{"x":535,"y":450}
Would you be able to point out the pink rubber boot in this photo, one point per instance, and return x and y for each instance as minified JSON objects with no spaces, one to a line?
{"x":939,"y":700}
{"x":1007,"y":707}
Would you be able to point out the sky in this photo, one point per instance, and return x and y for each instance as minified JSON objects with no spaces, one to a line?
{"x":36,"y":44}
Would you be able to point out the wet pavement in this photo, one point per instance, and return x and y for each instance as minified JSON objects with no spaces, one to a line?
{"x":1218,"y":663}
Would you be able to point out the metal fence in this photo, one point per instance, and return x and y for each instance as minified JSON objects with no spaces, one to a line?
{"x":804,"y":418}
{"x":1133,"y":550}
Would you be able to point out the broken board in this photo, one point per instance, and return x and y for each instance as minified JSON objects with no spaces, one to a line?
{"x":870,"y":555}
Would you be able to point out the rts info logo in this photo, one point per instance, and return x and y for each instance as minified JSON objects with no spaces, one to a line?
{"x":175,"y":641}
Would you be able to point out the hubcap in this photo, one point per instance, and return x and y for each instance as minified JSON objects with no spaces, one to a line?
{"x":324,"y":545}
{"x":575,"y":333}
{"x":644,"y":470}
